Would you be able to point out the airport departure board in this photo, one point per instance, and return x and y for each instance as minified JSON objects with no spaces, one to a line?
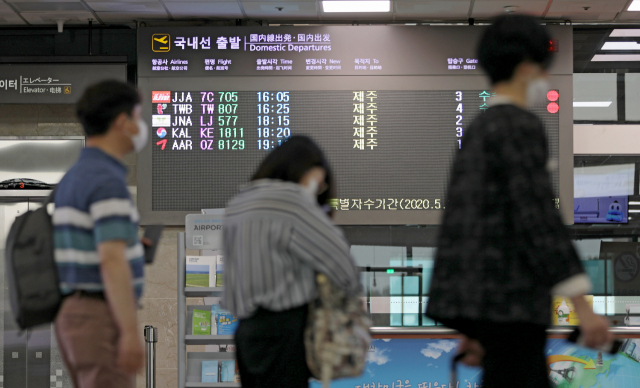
{"x":216,"y":114}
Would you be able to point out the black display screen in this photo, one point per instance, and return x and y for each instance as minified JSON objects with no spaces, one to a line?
{"x":389,"y":105}
{"x":389,"y":149}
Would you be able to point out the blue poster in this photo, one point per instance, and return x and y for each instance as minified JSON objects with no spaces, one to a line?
{"x":425,"y":363}
{"x":411,"y":363}
{"x":572,"y":366}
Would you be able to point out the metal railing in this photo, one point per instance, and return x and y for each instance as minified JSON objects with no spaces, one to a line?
{"x":150,"y":338}
{"x":441,"y":330}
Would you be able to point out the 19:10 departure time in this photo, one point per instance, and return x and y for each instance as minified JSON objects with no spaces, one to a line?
{"x":273,"y":119}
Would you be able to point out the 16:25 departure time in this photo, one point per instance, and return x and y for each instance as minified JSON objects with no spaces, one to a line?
{"x":273,"y":119}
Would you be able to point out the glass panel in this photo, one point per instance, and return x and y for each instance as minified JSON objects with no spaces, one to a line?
{"x":632,"y":96}
{"x":595,"y":97}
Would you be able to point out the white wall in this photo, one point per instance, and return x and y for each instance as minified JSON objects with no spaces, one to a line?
{"x":606,"y":139}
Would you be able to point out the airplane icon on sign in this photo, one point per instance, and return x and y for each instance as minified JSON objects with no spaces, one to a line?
{"x":161,"y":43}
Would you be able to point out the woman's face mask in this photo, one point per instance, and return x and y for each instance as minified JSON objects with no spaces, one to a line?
{"x":311,"y":188}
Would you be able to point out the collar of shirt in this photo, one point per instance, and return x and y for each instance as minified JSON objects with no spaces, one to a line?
{"x":94,"y":153}
{"x":270,"y":183}
{"x":500,"y":100}
{"x":274,"y":185}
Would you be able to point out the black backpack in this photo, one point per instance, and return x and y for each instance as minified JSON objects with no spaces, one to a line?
{"x":34,"y":290}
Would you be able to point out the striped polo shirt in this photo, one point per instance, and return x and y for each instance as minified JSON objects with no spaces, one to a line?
{"x":276,"y":238}
{"x":92,"y":206}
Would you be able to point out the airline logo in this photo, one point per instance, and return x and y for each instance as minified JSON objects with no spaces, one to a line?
{"x":161,"y":43}
{"x":160,"y":97}
{"x":161,"y":132}
{"x":161,"y":120}
{"x":161,"y":108}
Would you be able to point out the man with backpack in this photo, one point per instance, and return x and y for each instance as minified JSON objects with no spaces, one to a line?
{"x":97,"y":250}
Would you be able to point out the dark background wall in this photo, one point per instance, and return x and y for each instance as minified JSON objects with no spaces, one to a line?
{"x":73,"y":41}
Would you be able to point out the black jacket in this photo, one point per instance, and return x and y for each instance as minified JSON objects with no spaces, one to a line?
{"x":502,"y":244}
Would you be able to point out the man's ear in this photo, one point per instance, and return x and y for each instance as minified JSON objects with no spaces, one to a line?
{"x":119,"y":123}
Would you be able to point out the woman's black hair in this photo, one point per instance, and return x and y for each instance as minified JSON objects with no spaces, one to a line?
{"x":291,"y":160}
{"x":511,"y":40}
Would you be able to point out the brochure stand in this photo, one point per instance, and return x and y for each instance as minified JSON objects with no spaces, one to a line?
{"x":190,"y":363}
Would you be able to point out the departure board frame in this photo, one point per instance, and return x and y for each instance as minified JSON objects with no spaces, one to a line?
{"x":430,"y":79}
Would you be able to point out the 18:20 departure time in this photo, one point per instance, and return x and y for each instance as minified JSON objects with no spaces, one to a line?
{"x":273,"y":119}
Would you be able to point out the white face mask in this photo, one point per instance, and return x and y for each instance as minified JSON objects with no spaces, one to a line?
{"x":311,"y":189}
{"x":537,"y":92}
{"x":140,"y":139}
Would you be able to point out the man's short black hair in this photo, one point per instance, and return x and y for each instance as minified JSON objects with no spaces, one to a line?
{"x":511,"y":40}
{"x":102,"y":103}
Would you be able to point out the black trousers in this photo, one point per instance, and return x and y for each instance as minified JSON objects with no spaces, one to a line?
{"x":514,"y":352}
{"x":270,"y":349}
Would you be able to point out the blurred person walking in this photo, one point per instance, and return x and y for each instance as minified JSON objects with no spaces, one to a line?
{"x":503,"y":250}
{"x":277,"y":236}
{"x":97,"y":250}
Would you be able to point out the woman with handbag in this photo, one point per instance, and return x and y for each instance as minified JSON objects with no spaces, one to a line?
{"x":277,"y":237}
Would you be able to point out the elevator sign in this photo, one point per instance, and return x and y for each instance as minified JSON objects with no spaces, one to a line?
{"x":53,"y":83}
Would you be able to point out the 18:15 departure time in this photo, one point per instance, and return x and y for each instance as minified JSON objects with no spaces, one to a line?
{"x":273,"y":119}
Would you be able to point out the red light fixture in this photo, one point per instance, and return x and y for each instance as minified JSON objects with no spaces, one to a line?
{"x":553,"y":108}
{"x":553,"y":95}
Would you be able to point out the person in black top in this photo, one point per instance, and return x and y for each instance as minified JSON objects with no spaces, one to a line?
{"x":503,"y":249}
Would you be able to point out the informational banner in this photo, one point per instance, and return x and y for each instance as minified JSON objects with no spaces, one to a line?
{"x":417,"y":363}
{"x":53,"y":83}
{"x":204,"y":231}
{"x":603,"y":181}
{"x":389,"y":106}
{"x":321,"y":50}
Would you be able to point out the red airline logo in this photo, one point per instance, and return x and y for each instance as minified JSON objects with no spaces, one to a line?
{"x":159,"y":97}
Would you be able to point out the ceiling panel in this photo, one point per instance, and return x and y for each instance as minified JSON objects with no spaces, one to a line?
{"x":126,"y":7}
{"x":290,"y":10}
{"x":629,"y":16}
{"x":11,"y":19}
{"x":51,"y":17}
{"x":4,"y":8}
{"x":62,"y":6}
{"x":285,"y":1}
{"x":432,"y":9}
{"x":577,"y":7}
{"x":117,"y":11}
{"x":489,"y":8}
{"x":128,"y":17}
{"x":89,"y":2}
{"x":198,"y":10}
{"x":577,"y":17}
{"x":44,"y":1}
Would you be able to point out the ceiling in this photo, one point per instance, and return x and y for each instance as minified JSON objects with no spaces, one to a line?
{"x":47,"y":12}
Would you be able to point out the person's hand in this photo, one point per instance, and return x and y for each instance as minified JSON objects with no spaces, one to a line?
{"x":146,"y":242}
{"x":473,"y":351}
{"x":594,"y":327}
{"x":595,"y":330}
{"x":130,"y":353}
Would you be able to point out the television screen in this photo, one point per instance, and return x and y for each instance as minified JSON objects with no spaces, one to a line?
{"x":601,"y":210}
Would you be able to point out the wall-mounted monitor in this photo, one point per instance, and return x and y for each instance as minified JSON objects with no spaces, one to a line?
{"x":389,"y":105}
{"x":601,"y":210}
